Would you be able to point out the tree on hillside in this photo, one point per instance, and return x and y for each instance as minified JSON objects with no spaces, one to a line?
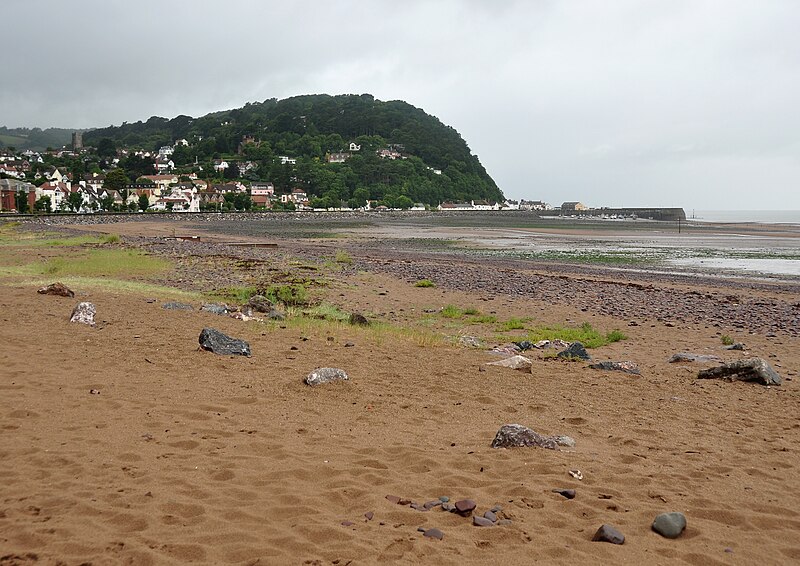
{"x":144,"y":202}
{"x":116,"y":180}
{"x":106,"y":148}
{"x":43,"y":204}
{"x":75,"y":201}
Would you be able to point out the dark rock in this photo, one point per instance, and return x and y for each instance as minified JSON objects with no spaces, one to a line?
{"x":392,"y":499}
{"x":607,"y":533}
{"x":215,"y":341}
{"x":515,"y":435}
{"x":404,"y":501}
{"x":568,"y":493}
{"x":481,"y":522}
{"x":349,"y":344}
{"x":347,"y":523}
{"x":465,"y":506}
{"x":689,"y":357}
{"x":369,"y":515}
{"x":524,"y":345}
{"x":58,"y":289}
{"x":753,"y":369}
{"x":275,"y":315}
{"x":358,"y":319}
{"x":94,"y":392}
{"x":83,"y":313}
{"x":496,"y":509}
{"x":444,"y":499}
{"x":215,"y":308}
{"x":260,"y":303}
{"x":735,"y":346}
{"x":627,"y":367}
{"x":491,"y":516}
{"x":432,"y":504}
{"x":448,"y":507}
{"x":669,"y":525}
{"x":434,"y":533}
{"x":419,"y":507}
{"x":325,"y":375}
{"x":174,"y":306}
{"x":575,"y":350}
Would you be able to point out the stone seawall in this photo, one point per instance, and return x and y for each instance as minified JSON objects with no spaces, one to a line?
{"x":669,"y":214}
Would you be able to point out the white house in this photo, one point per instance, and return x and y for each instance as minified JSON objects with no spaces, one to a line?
{"x":285,"y":159}
{"x":354,"y":146}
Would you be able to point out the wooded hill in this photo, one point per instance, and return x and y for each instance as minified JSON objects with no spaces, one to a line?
{"x":436,"y":163}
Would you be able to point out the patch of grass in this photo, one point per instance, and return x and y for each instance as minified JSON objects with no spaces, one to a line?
{"x":471,"y":311}
{"x":726,"y":340}
{"x":451,"y":311}
{"x":585,"y":334}
{"x":115,"y":286}
{"x":483,"y":319}
{"x":234,"y":294}
{"x":343,"y":257}
{"x":288,"y":294}
{"x":110,"y":239}
{"x":424,"y":283}
{"x":326,"y":311}
{"x":512,"y":324}
{"x":103,"y":263}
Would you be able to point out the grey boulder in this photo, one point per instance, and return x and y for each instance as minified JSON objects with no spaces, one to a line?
{"x":514,"y":362}
{"x":325,"y":375}
{"x":607,"y":533}
{"x":215,"y":308}
{"x":83,"y":313}
{"x":689,"y":357}
{"x":669,"y":525}
{"x":517,"y":436}
{"x":215,"y":341}
{"x":175,"y":306}
{"x":575,"y":350}
{"x":626,"y":367}
{"x":753,"y":369}
{"x":260,"y":303}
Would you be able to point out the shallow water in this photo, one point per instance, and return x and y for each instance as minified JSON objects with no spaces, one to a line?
{"x":764,"y":266}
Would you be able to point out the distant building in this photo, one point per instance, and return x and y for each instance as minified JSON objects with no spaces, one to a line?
{"x":77,"y":140}
{"x":338,"y":157}
{"x":573,"y":206}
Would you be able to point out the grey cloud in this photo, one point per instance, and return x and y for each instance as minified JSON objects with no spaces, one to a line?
{"x":636,"y":102}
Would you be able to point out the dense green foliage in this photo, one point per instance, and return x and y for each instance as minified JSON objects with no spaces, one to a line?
{"x":36,"y":139}
{"x":307,"y":128}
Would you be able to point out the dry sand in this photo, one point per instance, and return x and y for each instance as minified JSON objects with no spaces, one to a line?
{"x":185,"y":456}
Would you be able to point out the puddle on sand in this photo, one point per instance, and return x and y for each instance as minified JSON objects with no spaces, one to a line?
{"x":759,"y":265}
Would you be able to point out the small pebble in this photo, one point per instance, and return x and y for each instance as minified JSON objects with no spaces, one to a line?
{"x":347,"y":523}
{"x":568,"y":493}
{"x":607,"y":533}
{"x":465,"y":506}
{"x":669,"y":525}
{"x":433,"y":533}
{"x":94,"y":392}
{"x":369,"y":515}
{"x":504,"y":522}
{"x":491,"y":516}
{"x":444,"y":498}
{"x":392,"y":499}
{"x":481,"y":522}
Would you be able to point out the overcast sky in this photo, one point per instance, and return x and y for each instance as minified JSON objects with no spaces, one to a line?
{"x":692,"y":103}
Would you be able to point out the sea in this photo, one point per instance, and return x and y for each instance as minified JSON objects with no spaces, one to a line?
{"x":757,"y":216}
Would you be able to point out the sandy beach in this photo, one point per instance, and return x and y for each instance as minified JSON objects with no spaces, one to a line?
{"x":125,"y":443}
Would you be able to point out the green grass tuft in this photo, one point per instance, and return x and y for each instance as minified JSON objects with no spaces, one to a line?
{"x":343,"y":257}
{"x":726,"y":340}
{"x":512,"y":324}
{"x":424,"y":283}
{"x":483,"y":319}
{"x":451,"y":311}
{"x":585,"y":334}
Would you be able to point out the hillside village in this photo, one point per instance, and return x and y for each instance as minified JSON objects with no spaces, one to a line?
{"x":83,"y":179}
